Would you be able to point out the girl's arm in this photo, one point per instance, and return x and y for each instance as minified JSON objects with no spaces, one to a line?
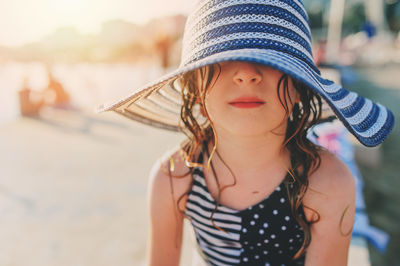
{"x":330,"y":237}
{"x":166,"y":222}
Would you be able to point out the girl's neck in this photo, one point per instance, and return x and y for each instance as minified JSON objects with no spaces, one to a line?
{"x":250,"y":155}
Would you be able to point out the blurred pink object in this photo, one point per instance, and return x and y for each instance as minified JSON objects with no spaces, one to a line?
{"x":330,"y":141}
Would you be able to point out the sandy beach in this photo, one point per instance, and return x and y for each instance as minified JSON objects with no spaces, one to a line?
{"x":73,"y":189}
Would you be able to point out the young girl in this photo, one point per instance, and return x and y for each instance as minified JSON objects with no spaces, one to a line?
{"x":255,"y":189}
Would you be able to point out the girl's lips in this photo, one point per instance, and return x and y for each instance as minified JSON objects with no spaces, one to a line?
{"x":246,"y":105}
{"x":247,"y":102}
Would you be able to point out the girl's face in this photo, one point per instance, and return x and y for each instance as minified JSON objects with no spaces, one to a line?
{"x":244,"y":99}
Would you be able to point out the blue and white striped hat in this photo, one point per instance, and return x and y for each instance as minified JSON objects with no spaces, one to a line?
{"x":275,"y":33}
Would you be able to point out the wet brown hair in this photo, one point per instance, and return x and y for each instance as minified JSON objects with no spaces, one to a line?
{"x":304,"y":156}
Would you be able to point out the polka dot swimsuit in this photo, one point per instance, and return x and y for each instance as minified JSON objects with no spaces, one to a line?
{"x":263,"y":234}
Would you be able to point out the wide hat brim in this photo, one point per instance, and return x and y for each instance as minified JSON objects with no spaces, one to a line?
{"x":159,"y":104}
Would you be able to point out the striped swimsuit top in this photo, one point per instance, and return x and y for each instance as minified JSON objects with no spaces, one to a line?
{"x":264,"y":234}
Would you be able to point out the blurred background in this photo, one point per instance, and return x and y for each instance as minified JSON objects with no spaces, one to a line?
{"x":73,"y":183}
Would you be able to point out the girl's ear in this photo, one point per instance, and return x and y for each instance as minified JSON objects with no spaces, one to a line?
{"x":297,"y":97}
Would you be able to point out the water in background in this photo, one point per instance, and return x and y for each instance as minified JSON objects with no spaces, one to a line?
{"x":88,"y":84}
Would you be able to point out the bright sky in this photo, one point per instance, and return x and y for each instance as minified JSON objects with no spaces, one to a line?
{"x":23,"y":21}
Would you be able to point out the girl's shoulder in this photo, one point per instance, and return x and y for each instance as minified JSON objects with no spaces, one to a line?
{"x":170,"y":176}
{"x":331,"y":186}
{"x":332,"y":174}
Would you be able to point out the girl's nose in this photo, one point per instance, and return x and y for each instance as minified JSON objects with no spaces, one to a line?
{"x":247,"y":74}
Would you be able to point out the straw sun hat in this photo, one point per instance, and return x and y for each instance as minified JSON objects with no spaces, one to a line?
{"x":275,"y":33}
